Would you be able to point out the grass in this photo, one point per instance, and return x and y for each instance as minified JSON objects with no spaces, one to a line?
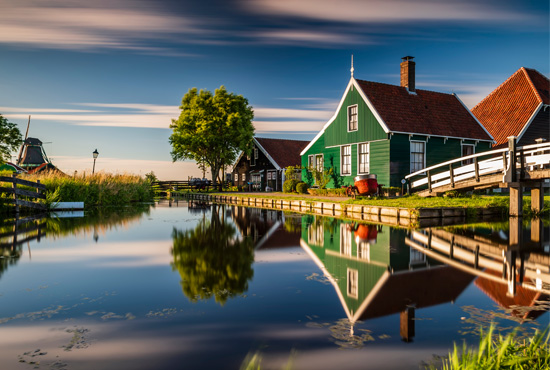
{"x":497,"y":352}
{"x":94,"y":190}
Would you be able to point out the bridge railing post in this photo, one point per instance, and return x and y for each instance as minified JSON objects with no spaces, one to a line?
{"x":510,"y":172}
{"x":452,"y":175}
{"x":476,"y":168}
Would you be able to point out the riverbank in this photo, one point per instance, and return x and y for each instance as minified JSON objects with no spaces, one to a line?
{"x":387,"y":211}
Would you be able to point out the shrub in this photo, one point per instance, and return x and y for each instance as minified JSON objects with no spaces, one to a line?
{"x":302,"y":187}
{"x":289,"y":186}
{"x":328,"y":192}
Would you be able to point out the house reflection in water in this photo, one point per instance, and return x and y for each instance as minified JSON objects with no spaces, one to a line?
{"x":512,"y":266}
{"x":375,"y":274}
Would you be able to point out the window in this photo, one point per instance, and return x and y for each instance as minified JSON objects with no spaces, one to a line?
{"x":352,"y":118}
{"x":255,"y":153}
{"x":353,"y":282}
{"x":236,"y":177}
{"x":363,"y":158}
{"x":319,"y":162}
{"x":311,"y":161}
{"x":345,"y":153}
{"x":418,"y":158}
{"x":467,"y":149}
{"x":363,"y":251}
{"x":243,"y":177}
{"x":345,"y":239}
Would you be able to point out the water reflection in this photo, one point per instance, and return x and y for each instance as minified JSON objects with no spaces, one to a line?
{"x":15,"y":234}
{"x":213,"y":259}
{"x":512,"y":266}
{"x":379,"y":270}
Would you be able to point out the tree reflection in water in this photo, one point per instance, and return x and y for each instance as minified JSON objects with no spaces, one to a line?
{"x":213,"y":259}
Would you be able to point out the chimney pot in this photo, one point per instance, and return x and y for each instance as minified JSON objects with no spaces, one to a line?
{"x":408,"y":73}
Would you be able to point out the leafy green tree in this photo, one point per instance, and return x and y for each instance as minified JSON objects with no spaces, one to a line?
{"x":10,"y":139}
{"x":212,"y":129}
{"x":212,"y":260}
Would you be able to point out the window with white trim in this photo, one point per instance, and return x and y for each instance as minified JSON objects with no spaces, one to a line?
{"x":236,"y":177}
{"x":255,"y":153}
{"x":418,"y":155}
{"x":319,"y":162}
{"x":352,"y":118}
{"x":243,"y":177}
{"x":353,"y":283}
{"x":363,"y":154}
{"x":345,"y":239}
{"x":467,"y":149}
{"x":311,"y":161}
{"x":345,"y":159}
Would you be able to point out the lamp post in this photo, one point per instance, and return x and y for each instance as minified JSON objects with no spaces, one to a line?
{"x":95,"y":154}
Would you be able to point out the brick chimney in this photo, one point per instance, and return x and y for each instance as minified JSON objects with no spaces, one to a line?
{"x":407,"y":73}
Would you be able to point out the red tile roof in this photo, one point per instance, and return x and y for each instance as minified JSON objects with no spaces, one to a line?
{"x":424,"y":112}
{"x":506,"y":110}
{"x":284,"y":152}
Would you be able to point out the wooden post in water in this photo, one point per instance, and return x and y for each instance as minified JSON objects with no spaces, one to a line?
{"x":406,"y":327}
{"x":537,"y":197}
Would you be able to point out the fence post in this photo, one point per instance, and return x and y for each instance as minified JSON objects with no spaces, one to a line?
{"x":429,"y":182}
{"x":452,"y":175}
{"x":476,"y":167}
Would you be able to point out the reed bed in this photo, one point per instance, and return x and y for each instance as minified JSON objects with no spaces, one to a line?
{"x":95,"y":190}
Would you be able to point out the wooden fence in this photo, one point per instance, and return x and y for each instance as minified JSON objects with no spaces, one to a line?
{"x":186,"y":185}
{"x":23,"y":197}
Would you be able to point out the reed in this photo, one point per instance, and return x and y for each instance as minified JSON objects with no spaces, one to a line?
{"x":495,"y":351}
{"x":95,"y":190}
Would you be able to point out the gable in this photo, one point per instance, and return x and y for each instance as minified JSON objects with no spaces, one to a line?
{"x":514,"y":104}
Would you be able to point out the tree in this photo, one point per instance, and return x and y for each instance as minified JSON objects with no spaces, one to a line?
{"x":10,"y":139}
{"x":212,"y":129}
{"x":212,"y":260}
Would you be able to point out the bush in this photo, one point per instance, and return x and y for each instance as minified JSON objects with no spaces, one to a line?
{"x":289,"y":186}
{"x":302,"y":187}
{"x":328,"y":192}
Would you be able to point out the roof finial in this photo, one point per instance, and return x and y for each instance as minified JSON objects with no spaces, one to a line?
{"x":351,"y":70}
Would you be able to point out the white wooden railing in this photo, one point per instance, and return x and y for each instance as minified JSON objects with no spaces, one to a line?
{"x":528,"y":157}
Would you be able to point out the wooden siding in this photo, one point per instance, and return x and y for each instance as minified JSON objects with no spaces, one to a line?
{"x":539,"y":128}
{"x":368,"y":127}
{"x":437,"y":150}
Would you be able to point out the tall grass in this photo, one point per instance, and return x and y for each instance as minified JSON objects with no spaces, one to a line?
{"x":95,"y":190}
{"x":497,"y":352}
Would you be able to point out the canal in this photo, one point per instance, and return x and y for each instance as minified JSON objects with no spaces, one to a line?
{"x":201,"y":286}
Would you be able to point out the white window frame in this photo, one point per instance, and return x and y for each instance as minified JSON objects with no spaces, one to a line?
{"x":411,"y":153}
{"x":311,"y":160}
{"x":350,"y":107}
{"x":352,"y":283}
{"x":359,"y":172}
{"x":319,"y":164}
{"x":468,"y":161}
{"x":236,"y":176}
{"x":346,"y":238}
{"x":342,"y":160}
{"x":243,"y":177}
{"x":255,"y":153}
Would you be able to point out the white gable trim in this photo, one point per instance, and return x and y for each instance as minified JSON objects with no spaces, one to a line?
{"x":531,"y":119}
{"x":479,"y":123}
{"x":352,"y":82}
{"x":267,"y":154}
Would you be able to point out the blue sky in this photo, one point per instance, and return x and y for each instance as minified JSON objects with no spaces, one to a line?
{"x":110,"y":74}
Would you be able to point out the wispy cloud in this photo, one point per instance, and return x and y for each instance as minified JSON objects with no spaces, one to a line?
{"x":388,"y":11}
{"x":117,"y":24}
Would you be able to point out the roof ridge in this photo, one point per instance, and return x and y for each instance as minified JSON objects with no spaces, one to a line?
{"x":387,"y":84}
{"x":272,"y":138}
{"x":499,"y":87}
{"x":531,"y":82}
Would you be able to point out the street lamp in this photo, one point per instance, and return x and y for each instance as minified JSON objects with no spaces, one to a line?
{"x":95,"y":154}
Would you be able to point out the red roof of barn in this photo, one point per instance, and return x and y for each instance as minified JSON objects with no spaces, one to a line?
{"x":423,"y":112}
{"x":506,"y":110}
{"x":284,"y":152}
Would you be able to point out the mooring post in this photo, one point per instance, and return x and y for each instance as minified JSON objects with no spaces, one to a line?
{"x":516,"y":200}
{"x":537,"y":197}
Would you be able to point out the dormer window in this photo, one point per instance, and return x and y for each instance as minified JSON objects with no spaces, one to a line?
{"x":352,"y":118}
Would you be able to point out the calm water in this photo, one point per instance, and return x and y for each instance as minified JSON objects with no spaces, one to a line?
{"x":200,"y":286}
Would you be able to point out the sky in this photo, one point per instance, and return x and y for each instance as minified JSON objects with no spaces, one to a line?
{"x":110,"y":74}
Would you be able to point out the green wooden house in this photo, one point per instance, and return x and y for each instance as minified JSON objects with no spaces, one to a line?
{"x":375,"y":273}
{"x":392,"y":131}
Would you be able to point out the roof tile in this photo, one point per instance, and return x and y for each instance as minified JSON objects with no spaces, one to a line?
{"x":284,"y":152}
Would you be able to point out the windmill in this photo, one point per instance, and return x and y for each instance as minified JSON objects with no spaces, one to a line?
{"x":32,"y":156}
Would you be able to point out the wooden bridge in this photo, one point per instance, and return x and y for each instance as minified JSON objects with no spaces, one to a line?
{"x":514,"y":168}
{"x":521,"y":262}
